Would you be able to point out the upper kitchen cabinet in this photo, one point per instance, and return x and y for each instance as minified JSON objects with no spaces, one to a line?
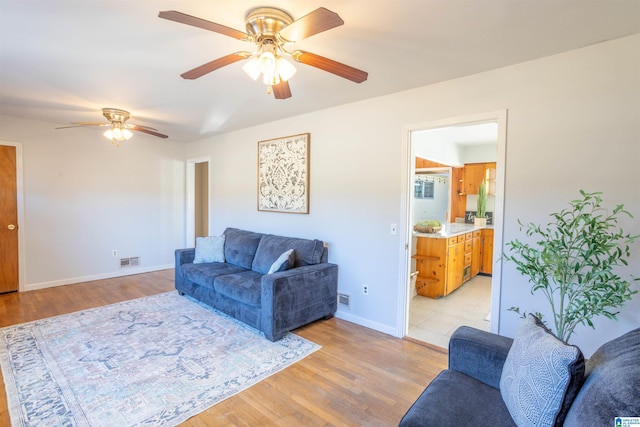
{"x":475,"y":173}
{"x":473,"y":176}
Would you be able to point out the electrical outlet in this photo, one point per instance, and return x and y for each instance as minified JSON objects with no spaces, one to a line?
{"x":114,"y":253}
{"x":365,"y":290}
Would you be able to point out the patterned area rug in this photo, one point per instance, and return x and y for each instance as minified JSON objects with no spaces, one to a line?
{"x":153,"y":361}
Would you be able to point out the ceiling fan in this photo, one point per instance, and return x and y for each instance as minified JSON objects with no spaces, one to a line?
{"x":118,"y":130}
{"x":270,"y":30}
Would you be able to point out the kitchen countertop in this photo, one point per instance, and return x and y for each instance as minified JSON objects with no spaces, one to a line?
{"x":452,"y":229}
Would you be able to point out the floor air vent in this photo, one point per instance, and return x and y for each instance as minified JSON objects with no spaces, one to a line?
{"x":130,"y":262}
{"x":343,"y":299}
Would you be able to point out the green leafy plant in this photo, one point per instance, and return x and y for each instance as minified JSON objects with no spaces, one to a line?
{"x":481,"y":209}
{"x":429,"y":223}
{"x":573,"y":261}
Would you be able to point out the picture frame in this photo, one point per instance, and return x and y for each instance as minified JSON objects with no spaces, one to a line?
{"x":283,"y":174}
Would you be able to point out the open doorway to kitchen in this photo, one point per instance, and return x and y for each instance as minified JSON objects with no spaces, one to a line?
{"x":453,"y":280}
{"x":197,"y":200}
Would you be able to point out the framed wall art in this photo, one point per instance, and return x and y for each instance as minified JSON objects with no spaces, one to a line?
{"x":283,"y":174}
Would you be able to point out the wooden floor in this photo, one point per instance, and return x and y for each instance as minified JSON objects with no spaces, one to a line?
{"x":359,"y":377}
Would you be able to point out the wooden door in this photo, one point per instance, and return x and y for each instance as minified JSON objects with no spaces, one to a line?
{"x":8,"y":220}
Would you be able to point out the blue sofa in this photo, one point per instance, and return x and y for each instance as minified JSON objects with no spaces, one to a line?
{"x":241,"y":287}
{"x":468,"y":393}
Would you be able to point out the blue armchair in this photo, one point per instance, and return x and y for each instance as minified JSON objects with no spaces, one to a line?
{"x":469,"y":393}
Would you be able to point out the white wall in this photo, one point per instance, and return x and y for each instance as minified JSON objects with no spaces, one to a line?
{"x":83,"y":198}
{"x":573,"y":123}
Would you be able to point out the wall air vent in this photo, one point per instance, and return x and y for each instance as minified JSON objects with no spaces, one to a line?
{"x":130,"y":262}
{"x":343,"y":300}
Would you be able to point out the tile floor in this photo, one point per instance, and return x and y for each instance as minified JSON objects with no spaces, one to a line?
{"x":434,"y":320}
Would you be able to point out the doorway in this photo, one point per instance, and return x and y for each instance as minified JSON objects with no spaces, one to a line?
{"x":11,"y":217}
{"x":197,"y":222}
{"x":446,"y":151}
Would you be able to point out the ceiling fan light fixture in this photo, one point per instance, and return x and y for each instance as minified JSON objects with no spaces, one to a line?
{"x":252,"y":68}
{"x":267,"y":64}
{"x":286,"y":70}
{"x":118,"y":133}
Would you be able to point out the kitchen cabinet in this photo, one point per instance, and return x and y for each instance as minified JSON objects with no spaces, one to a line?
{"x":475,"y":253}
{"x":473,"y":176}
{"x":444,"y":263}
{"x":490,"y":176}
{"x":486,"y":251}
{"x":475,"y":173}
{"x":455,"y":263}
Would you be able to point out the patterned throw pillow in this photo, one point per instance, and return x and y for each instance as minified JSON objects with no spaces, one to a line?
{"x":209,"y":249}
{"x":541,"y":376}
{"x":284,"y":262}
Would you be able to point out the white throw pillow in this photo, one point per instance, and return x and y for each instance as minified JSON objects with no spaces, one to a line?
{"x":284,"y":262}
{"x":541,"y":376}
{"x":209,"y":249}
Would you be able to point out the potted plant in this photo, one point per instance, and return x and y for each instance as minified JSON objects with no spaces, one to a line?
{"x":572,"y":263}
{"x":428,"y":226}
{"x":481,"y":209}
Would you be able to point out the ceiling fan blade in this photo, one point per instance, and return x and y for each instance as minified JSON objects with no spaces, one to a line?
{"x":131,"y":126}
{"x":91,"y":123}
{"x":282,"y":90}
{"x":183,"y":18}
{"x":312,"y":23}
{"x":214,"y":65}
{"x":335,"y":67}
{"x":147,"y":130}
{"x":84,"y":124}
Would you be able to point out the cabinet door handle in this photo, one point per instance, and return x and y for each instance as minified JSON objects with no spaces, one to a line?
{"x":11,"y":227}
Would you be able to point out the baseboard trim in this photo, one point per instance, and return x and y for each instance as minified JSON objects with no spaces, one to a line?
{"x":73,"y":280}
{"x":366,"y":323}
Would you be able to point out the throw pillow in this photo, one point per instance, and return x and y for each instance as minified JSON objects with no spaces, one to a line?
{"x":209,"y":249}
{"x":541,"y":376}
{"x":284,"y":262}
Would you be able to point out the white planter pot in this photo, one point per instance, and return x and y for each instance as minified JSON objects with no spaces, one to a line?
{"x":480,"y":222}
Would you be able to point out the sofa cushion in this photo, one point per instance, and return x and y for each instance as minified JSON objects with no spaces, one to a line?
{"x":209,"y":249}
{"x":284,"y":262}
{"x":244,"y":287}
{"x":441,"y":404}
{"x":541,"y":376}
{"x":307,"y":252}
{"x":240,"y":247}
{"x":612,"y":384}
{"x":205,"y":274}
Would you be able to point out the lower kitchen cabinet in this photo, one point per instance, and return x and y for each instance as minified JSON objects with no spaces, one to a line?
{"x":475,"y":253}
{"x":444,"y":263}
{"x":486,"y":251}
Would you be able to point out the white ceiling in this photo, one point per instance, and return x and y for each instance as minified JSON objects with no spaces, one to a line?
{"x":63,"y":60}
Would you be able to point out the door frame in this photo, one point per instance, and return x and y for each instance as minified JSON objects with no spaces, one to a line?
{"x":20,"y":202}
{"x":190,"y":221}
{"x":407,"y":170}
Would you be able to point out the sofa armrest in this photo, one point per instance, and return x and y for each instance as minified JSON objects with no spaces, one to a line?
{"x":185,"y":256}
{"x":298,"y":296}
{"x":478,"y":354}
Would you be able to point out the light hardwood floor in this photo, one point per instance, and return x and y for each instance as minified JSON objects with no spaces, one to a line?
{"x":359,"y":377}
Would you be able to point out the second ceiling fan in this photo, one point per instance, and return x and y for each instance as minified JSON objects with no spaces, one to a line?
{"x":271,"y":30}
